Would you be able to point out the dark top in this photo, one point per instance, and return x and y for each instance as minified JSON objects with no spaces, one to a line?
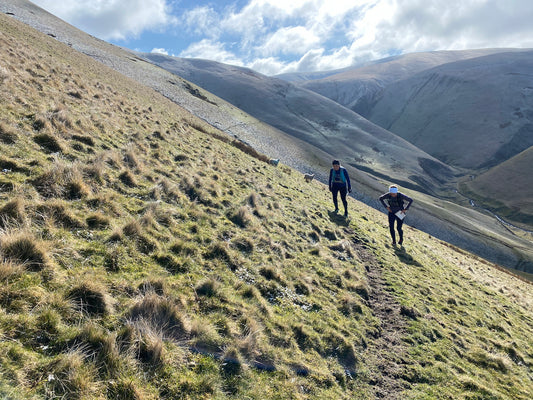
{"x":339,"y":178}
{"x":396,"y":203}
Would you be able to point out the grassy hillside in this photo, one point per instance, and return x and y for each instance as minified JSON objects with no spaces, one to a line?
{"x":144,"y":255}
{"x":493,"y":187}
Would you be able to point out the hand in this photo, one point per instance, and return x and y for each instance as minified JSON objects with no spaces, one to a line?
{"x":388,"y":208}
{"x":350,"y":190}
{"x":403,"y":211}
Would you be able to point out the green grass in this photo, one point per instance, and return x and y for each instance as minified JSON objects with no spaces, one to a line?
{"x":152,"y":258}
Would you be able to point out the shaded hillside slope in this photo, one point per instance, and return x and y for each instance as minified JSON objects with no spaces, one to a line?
{"x":311,"y":118}
{"x":486,"y":104}
{"x":506,"y":189}
{"x":144,"y":255}
{"x":359,"y":87}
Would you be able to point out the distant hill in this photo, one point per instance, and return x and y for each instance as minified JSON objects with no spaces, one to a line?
{"x":485,"y":103}
{"x":359,"y":87}
{"x":146,"y":255}
{"x":506,"y":189}
{"x":313,"y":119}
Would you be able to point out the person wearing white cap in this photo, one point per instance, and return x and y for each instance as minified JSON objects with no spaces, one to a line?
{"x":396,"y":207}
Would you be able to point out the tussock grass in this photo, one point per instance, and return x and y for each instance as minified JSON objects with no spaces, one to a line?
{"x":10,"y":270}
{"x":91,"y":297}
{"x":128,"y":178}
{"x":70,"y":376}
{"x":63,"y":180}
{"x":24,"y":248}
{"x":12,"y":212}
{"x":56,"y":212}
{"x":7,"y":134}
{"x":49,"y":142}
{"x":160,"y":313}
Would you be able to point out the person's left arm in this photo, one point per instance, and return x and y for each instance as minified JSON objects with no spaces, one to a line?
{"x":348,"y":180}
{"x":409,"y":201}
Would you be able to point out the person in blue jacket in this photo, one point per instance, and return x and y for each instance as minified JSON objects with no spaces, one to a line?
{"x":339,"y":182}
{"x":396,"y":206}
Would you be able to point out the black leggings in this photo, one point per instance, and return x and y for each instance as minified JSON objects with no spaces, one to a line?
{"x":399,"y":223}
{"x":343,"y":191}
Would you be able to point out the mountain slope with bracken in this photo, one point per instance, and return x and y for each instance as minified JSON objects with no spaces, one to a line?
{"x":146,"y":255}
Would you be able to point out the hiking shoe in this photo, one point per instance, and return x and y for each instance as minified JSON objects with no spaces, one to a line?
{"x":400,"y":241}
{"x":336,"y":211}
{"x":394,"y":243}
{"x":345,"y":213}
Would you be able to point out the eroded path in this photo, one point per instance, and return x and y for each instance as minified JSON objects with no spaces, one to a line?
{"x":386,"y":352}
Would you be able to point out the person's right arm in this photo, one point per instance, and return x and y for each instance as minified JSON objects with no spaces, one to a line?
{"x":382,"y":199}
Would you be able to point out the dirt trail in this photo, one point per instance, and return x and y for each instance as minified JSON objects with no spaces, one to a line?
{"x":386,"y":351}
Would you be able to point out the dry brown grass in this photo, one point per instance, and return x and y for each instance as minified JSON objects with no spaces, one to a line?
{"x":91,"y":297}
{"x":160,"y":312}
{"x":56,"y":212}
{"x":24,"y":248}
{"x":241,"y":216}
{"x":49,"y":142}
{"x":7,"y":134}
{"x":62,"y":179}
{"x":12,"y":211}
{"x":69,"y":376}
{"x":10,"y":270}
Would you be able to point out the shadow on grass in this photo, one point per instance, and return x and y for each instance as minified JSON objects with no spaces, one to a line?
{"x":405,"y":257}
{"x":339,"y":219}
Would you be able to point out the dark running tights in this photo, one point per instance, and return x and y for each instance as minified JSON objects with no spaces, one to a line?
{"x":343,"y":192}
{"x":399,"y":224}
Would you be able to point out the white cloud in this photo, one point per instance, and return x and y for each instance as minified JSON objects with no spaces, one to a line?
{"x":290,"y":40}
{"x":111,"y":19}
{"x":272,"y":36}
{"x":157,"y":50}
{"x":211,"y":51}
{"x":202,"y":21}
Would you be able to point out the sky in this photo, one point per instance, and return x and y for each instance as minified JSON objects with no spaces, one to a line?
{"x":280,"y":36}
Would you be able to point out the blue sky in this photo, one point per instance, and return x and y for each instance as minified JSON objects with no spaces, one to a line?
{"x":277,"y":36}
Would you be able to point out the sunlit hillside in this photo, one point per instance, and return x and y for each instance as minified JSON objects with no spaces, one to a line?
{"x":145,"y":255}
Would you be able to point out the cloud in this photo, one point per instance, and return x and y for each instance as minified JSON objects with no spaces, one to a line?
{"x":290,"y":40}
{"x":274,"y":36}
{"x":159,"y":51}
{"x":211,"y":51}
{"x":201,"y":21}
{"x":112,"y":19}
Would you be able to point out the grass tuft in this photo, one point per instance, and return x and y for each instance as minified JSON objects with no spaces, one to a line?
{"x":12,"y":211}
{"x":91,"y":297}
{"x":48,"y":142}
{"x":7,"y":135}
{"x":161,"y":313}
{"x":208,"y":288}
{"x":22,"y":247}
{"x":241,"y":217}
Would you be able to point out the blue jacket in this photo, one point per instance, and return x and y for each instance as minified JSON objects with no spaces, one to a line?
{"x":339,"y":179}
